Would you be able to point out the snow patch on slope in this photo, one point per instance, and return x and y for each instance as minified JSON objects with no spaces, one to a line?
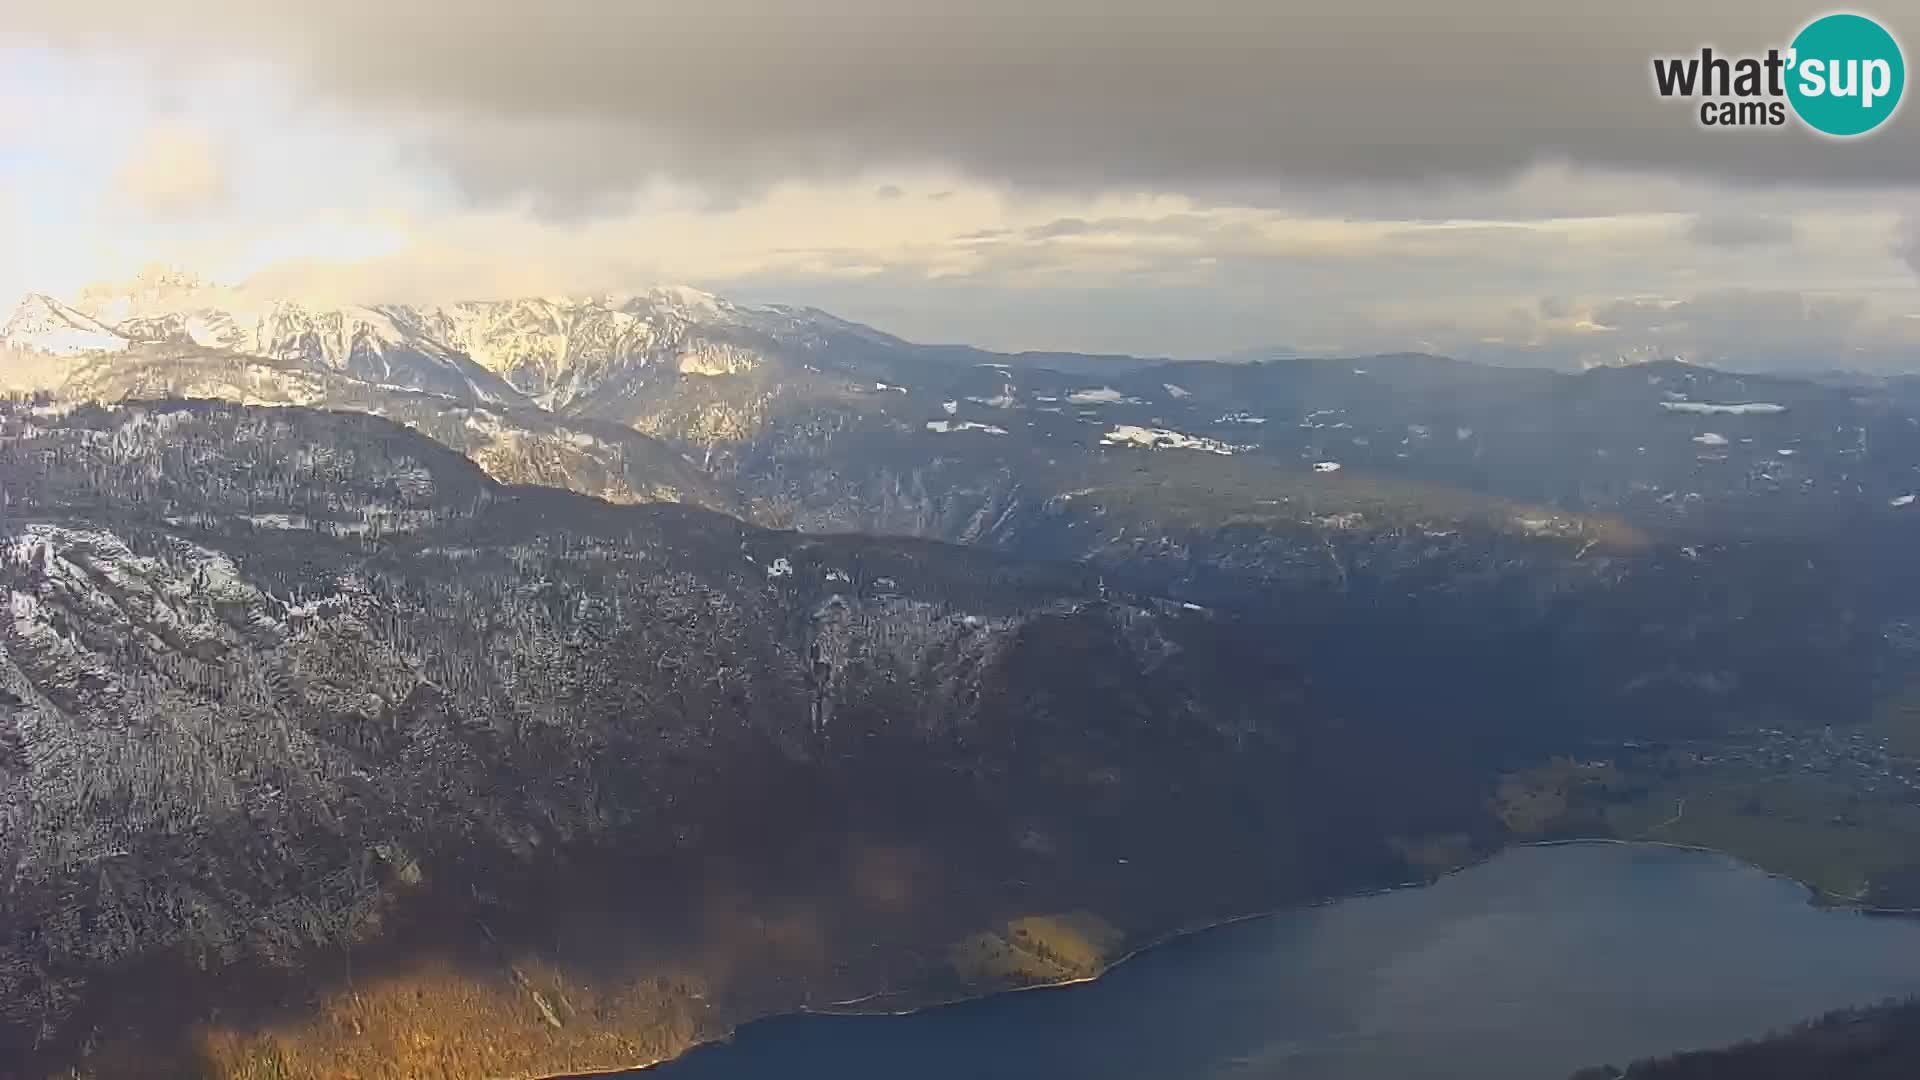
{"x":1101,"y":395}
{"x":1163,"y":439}
{"x":1705,"y":408}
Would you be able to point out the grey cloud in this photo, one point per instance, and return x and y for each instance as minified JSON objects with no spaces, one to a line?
{"x":1466,"y":305}
{"x":1061,"y":227}
{"x":1736,"y":329}
{"x":1908,"y":244}
{"x":1737,"y":318}
{"x":572,"y":99}
{"x":1177,"y":226}
{"x":1740,"y":230}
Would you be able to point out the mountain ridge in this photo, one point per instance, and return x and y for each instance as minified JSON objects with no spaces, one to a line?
{"x":368,"y":681}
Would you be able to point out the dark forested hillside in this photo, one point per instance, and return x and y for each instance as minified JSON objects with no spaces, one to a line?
{"x":1881,"y":1043}
{"x":310,"y":726}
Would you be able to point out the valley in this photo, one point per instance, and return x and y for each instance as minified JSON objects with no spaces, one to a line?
{"x":1831,"y":808}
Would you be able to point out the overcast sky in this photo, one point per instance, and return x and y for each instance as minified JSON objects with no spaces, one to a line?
{"x":1493,"y":178}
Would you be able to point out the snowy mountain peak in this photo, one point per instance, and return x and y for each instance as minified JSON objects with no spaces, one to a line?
{"x":689,"y":303}
{"x":155,"y":291}
{"x":561,"y":352}
{"x":45,"y":325}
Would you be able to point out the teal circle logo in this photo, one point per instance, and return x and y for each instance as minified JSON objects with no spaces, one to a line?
{"x":1846,"y":75}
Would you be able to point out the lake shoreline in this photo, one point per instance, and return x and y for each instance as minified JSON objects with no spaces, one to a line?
{"x":1816,"y":897}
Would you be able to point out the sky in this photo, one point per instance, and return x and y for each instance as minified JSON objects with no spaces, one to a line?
{"x":1492,"y":179}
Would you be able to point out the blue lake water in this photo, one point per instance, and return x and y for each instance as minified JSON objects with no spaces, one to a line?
{"x":1539,"y":962}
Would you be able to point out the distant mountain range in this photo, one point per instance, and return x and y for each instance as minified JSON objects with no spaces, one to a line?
{"x":559,"y":354}
{"x":554,"y":353}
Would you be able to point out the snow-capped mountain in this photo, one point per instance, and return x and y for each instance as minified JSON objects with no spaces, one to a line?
{"x":565,"y":353}
{"x":42,"y":324}
{"x":559,"y":353}
{"x":390,"y":346}
{"x":209,"y":329}
{"x":532,"y":376}
{"x":155,"y":290}
{"x":1631,"y":356}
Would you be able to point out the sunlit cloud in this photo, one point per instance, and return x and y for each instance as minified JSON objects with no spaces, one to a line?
{"x":173,"y":172}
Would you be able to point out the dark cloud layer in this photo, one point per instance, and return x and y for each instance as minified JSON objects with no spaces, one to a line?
{"x":573,"y":100}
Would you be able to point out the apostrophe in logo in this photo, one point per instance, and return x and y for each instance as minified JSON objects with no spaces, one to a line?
{"x":1847,"y":75}
{"x":1842,"y":75}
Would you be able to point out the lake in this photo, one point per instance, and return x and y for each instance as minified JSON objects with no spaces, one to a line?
{"x":1527,"y":967}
